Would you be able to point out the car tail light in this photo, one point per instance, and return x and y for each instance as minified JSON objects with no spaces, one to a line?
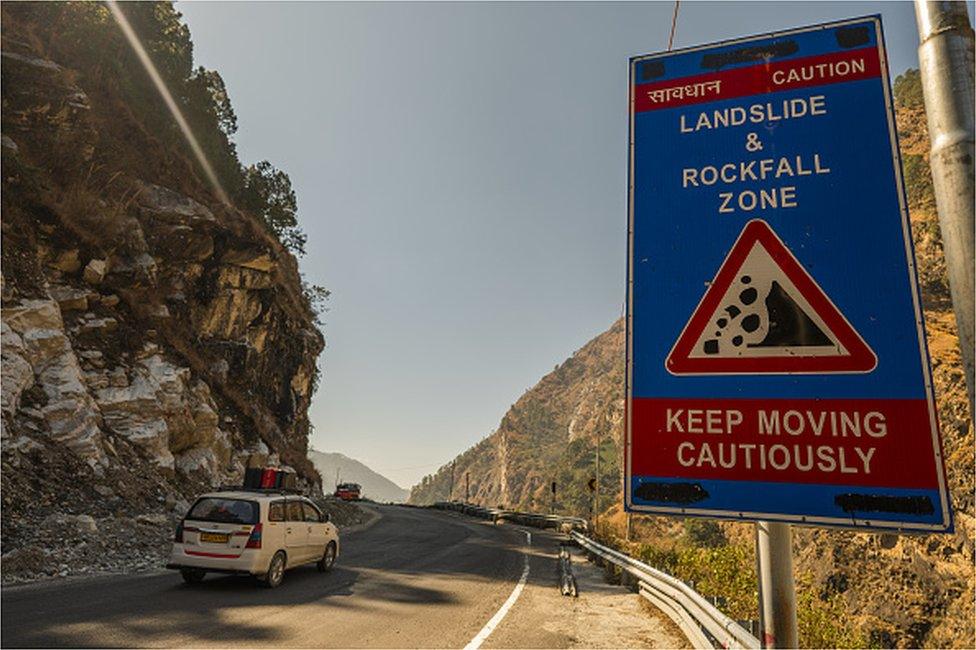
{"x":178,"y":537}
{"x":254,"y":541}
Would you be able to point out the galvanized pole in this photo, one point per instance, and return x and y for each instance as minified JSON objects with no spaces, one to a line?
{"x":450,"y":494}
{"x":945,"y":57}
{"x":596,"y":492}
{"x":777,"y":592}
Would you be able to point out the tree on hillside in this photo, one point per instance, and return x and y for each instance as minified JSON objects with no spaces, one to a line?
{"x":166,"y":38}
{"x":210,"y":114}
{"x":908,"y":90}
{"x":214,"y":93}
{"x":267,"y":192}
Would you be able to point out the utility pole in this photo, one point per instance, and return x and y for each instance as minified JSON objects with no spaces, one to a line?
{"x":467,"y":487}
{"x":777,"y":591}
{"x":596,"y":492}
{"x":945,"y":57}
{"x":450,"y":493}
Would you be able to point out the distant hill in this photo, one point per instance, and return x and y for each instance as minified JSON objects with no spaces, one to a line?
{"x":375,"y":486}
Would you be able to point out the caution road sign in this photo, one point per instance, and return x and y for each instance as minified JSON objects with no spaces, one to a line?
{"x":776,"y":360}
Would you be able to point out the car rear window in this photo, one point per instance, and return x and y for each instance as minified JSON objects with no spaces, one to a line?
{"x":228,"y":511}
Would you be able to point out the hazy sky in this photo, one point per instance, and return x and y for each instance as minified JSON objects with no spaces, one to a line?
{"x":461,"y":175}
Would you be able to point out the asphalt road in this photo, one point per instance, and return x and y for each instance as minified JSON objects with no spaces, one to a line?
{"x":414,"y":578}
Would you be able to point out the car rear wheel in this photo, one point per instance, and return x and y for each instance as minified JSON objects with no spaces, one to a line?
{"x":192,"y":576}
{"x":276,"y":571}
{"x":328,"y":558}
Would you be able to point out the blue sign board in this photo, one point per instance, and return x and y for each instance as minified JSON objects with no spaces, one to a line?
{"x":776,"y":359}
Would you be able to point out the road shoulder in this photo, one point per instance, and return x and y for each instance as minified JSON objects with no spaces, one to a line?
{"x":603,"y":616}
{"x":372,"y":516}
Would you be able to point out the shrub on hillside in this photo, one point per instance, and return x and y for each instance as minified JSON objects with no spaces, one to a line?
{"x":823,"y":620}
{"x":705,"y":533}
{"x":728,"y":572}
{"x":918,"y":182}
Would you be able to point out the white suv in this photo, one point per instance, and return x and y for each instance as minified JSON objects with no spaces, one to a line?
{"x":259,"y":533}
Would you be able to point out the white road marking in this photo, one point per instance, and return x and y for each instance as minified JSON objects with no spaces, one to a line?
{"x":500,"y":614}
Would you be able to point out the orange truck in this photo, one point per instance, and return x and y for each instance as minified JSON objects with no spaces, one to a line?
{"x":349,"y":491}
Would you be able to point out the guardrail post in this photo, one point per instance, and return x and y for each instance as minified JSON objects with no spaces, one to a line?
{"x":627,"y":580}
{"x":777,"y":591}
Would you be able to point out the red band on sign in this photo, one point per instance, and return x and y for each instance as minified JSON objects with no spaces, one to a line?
{"x":837,"y":67}
{"x":868,"y":442}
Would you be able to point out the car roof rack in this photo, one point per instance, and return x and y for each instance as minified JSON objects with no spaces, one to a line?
{"x":278,"y":490}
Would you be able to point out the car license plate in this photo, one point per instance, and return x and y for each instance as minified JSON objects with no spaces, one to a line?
{"x":214,"y":538}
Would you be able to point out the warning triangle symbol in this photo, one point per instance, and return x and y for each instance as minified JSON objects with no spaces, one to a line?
{"x":764,"y":314}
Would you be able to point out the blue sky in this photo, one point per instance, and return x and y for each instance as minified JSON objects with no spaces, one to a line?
{"x":461,"y":174}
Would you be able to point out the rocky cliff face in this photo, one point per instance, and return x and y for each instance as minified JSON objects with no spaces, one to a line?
{"x":855,"y":588}
{"x":153,"y":338}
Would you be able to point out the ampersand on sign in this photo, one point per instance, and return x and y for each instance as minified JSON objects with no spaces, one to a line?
{"x":752,"y":142}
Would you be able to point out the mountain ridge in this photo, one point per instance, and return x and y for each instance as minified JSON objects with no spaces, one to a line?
{"x":375,"y":486}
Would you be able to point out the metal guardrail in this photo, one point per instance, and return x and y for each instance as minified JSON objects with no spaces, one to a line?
{"x":523,"y":518}
{"x":703,"y":624}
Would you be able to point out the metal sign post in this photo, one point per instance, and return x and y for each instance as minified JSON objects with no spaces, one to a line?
{"x":777,"y":367}
{"x":945,"y":57}
{"x":777,"y":592}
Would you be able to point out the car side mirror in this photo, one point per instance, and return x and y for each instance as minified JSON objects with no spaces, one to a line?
{"x":326,"y":517}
